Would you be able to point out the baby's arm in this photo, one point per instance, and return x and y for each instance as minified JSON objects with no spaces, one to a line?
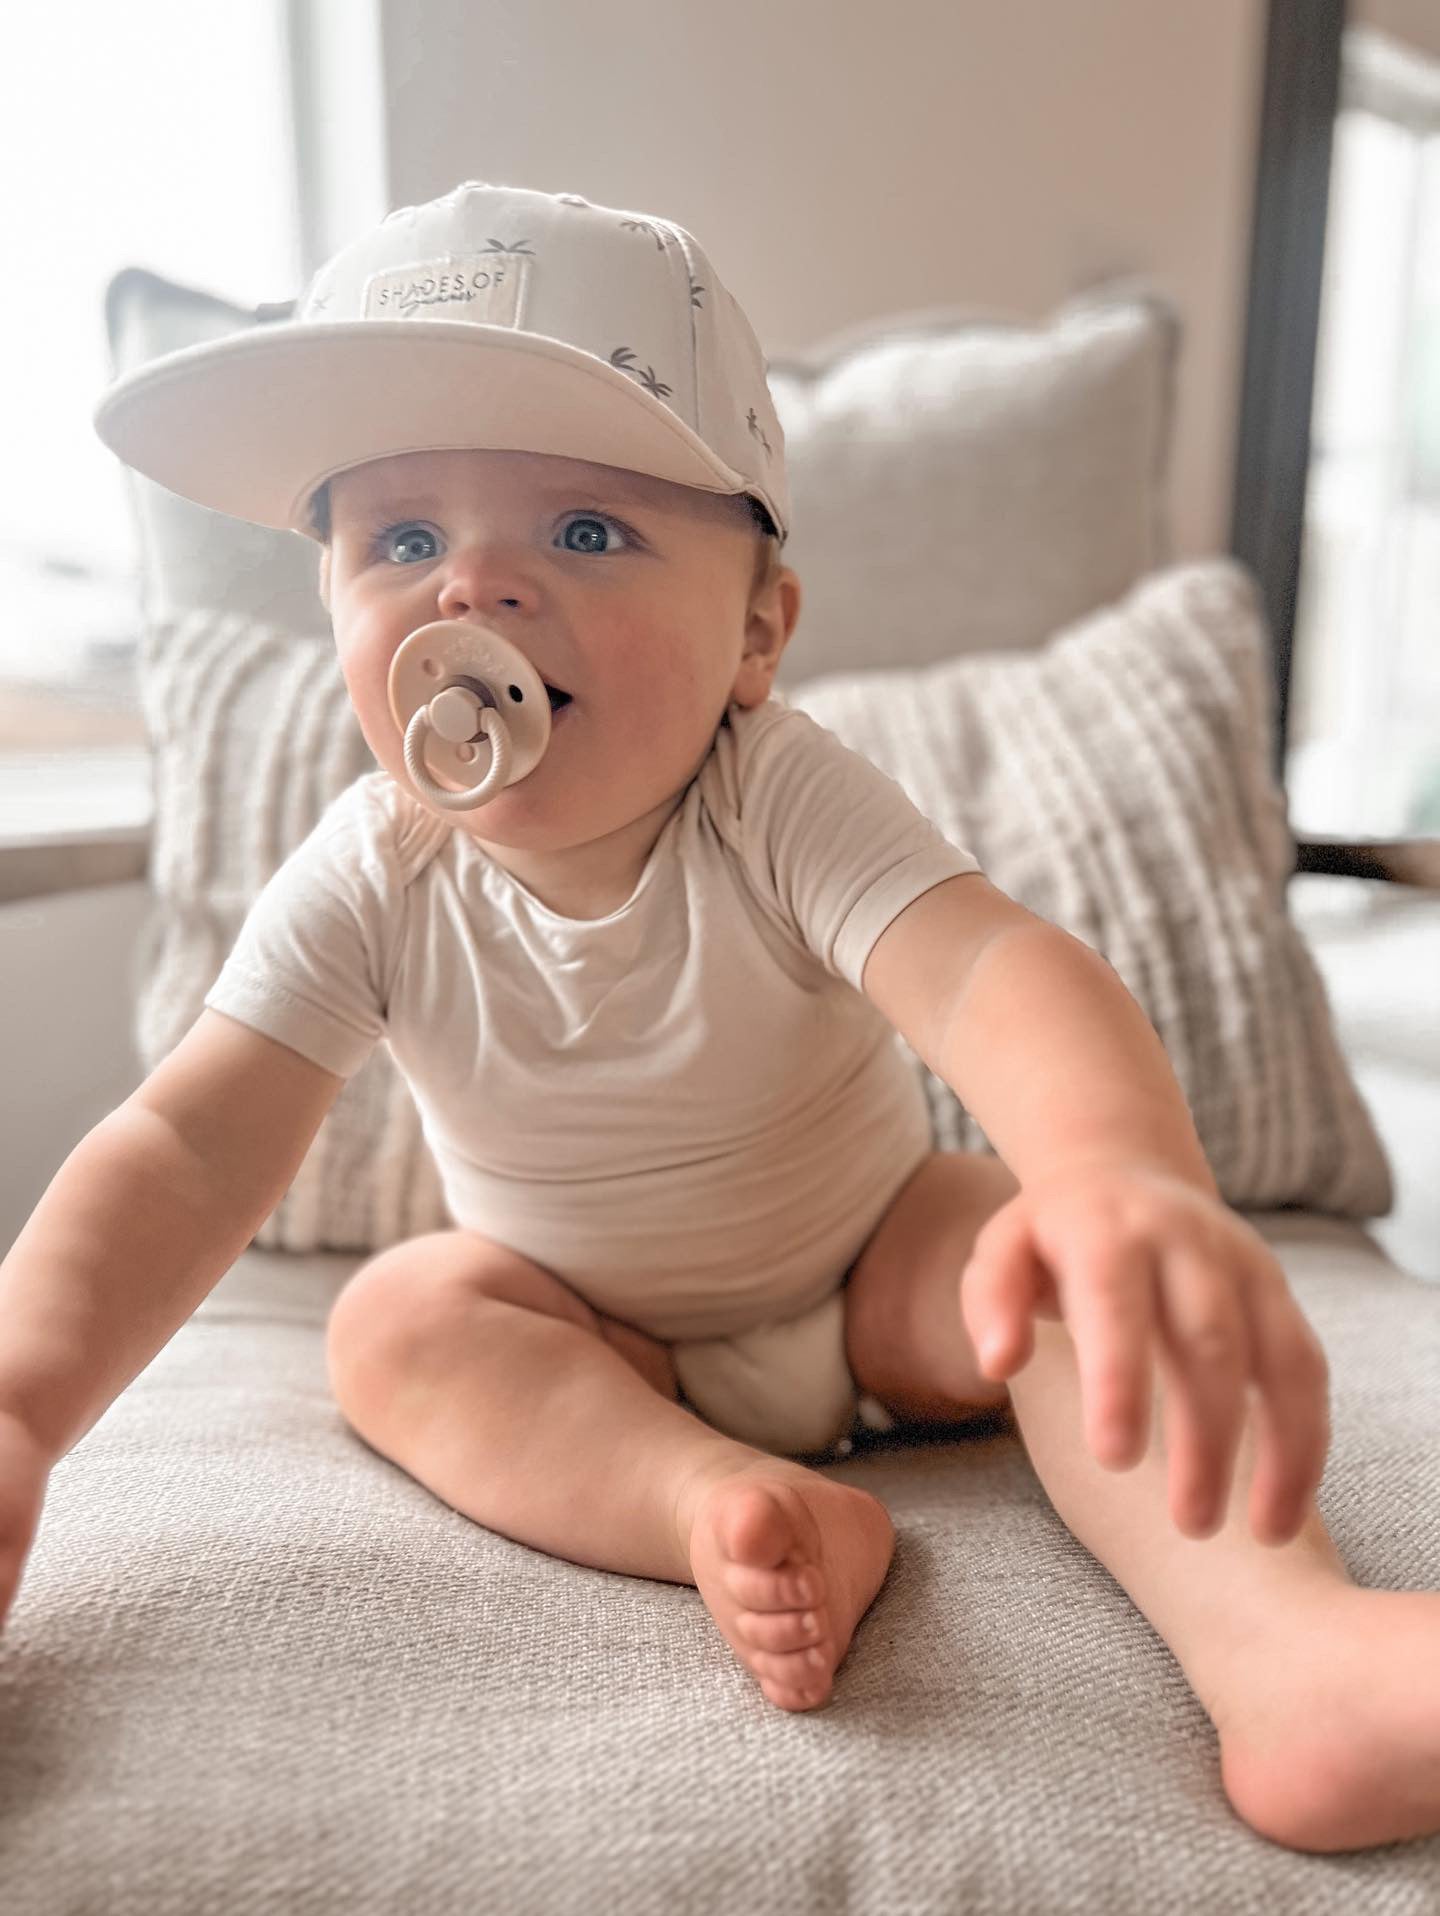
{"x":1118,"y":1227}
{"x":144,"y":1217}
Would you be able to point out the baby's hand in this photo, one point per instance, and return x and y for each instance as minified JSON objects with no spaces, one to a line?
{"x":1142,"y":1266}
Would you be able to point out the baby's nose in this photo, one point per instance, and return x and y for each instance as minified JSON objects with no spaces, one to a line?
{"x":483,"y":577}
{"x":457,"y":604}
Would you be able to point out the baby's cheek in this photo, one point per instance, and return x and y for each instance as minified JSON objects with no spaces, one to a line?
{"x":371,"y":701}
{"x":676,"y":682}
{"x":669,"y":721}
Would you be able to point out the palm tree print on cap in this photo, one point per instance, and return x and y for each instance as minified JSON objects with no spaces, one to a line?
{"x":662,"y":240}
{"x":647,"y":379}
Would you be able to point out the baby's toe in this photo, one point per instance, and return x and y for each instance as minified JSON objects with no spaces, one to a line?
{"x":780,"y":1630}
{"x":792,"y":1587}
{"x":804,"y":1674}
{"x":784,"y":1699}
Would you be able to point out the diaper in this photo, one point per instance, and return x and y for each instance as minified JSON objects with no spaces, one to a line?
{"x":785,"y":1387}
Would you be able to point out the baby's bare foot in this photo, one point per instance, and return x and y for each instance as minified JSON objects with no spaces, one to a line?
{"x":788,"y":1562}
{"x":1331,"y":1740}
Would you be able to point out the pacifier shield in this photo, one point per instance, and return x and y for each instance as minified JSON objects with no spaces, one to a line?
{"x":449,"y":669}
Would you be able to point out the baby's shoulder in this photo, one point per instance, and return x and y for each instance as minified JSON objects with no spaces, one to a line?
{"x":757,"y":747}
{"x":381,"y":831}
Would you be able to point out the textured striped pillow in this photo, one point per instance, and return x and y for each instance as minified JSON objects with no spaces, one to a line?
{"x":253,"y":734}
{"x":1118,"y":783}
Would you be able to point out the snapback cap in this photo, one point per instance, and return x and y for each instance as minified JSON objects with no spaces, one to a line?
{"x":496,"y":318}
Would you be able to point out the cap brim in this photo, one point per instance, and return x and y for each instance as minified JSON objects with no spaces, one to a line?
{"x":250,"y":425}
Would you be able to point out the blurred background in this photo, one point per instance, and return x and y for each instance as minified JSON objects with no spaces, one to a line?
{"x":840,"y":164}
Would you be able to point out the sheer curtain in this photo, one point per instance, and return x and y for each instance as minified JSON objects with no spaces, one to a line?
{"x":153,"y":133}
{"x":1365,"y":728}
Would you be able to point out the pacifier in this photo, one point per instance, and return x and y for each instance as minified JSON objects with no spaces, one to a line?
{"x":474,"y":711}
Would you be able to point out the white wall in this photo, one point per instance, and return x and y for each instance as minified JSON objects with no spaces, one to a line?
{"x":840,"y":161}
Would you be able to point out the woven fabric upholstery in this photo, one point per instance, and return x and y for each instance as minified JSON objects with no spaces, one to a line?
{"x":1118,"y":783}
{"x":255,"y":1668}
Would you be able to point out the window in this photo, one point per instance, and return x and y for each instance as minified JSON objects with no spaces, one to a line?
{"x":155,"y":133}
{"x":1364,"y":757}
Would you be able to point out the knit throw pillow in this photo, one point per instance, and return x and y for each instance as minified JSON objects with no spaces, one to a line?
{"x":252,"y":735}
{"x":1117,"y":782}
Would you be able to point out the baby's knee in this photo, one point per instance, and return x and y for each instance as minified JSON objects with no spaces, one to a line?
{"x":413,"y":1293}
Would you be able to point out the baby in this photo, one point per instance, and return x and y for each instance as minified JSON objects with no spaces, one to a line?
{"x":646,"y":998}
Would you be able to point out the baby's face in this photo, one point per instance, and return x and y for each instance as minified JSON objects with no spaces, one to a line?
{"x":632,"y":594}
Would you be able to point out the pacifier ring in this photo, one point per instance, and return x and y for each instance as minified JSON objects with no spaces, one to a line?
{"x":492,"y":727}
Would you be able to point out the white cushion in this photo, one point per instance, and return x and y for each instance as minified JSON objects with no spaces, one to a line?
{"x":965,"y":485}
{"x":191,"y":556}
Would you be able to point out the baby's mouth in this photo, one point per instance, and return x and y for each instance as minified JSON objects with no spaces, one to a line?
{"x":556,"y":696}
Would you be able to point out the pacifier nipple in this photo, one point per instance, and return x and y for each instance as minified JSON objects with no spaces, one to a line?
{"x":474,"y":712}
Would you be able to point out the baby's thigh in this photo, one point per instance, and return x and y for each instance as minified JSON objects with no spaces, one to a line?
{"x":410,"y":1291}
{"x":906,"y":1341}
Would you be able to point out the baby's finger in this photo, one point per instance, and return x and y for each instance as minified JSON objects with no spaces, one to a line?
{"x":1292,"y":1410}
{"x":999,"y":1290}
{"x":1208,"y":1362}
{"x":1108,"y":1293}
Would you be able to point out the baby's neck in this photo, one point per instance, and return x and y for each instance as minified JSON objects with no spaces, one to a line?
{"x":592,"y":880}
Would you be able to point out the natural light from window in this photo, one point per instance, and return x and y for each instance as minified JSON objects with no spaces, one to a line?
{"x":1365,"y":727}
{"x":155,"y":133}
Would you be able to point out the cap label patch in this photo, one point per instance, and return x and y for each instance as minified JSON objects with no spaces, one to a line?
{"x":487,"y":289}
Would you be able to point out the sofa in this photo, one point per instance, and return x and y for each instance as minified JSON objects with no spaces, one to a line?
{"x":255,"y":1667}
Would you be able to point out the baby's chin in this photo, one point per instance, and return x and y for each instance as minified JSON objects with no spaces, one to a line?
{"x":557,"y":806}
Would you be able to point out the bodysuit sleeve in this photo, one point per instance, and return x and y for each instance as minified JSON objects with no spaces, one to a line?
{"x":311,"y":962}
{"x":840,"y":846}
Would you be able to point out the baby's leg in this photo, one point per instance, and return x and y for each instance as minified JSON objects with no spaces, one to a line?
{"x":497,"y":1387}
{"x":1325,"y":1695}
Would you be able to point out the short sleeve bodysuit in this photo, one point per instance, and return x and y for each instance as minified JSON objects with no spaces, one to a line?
{"x":688,"y":1109}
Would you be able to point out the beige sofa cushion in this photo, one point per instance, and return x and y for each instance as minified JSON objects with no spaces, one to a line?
{"x":256,"y":1668}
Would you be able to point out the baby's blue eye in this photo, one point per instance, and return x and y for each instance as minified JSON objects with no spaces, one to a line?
{"x":592,"y":528}
{"x":410,"y":533}
{"x":589,"y":520}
